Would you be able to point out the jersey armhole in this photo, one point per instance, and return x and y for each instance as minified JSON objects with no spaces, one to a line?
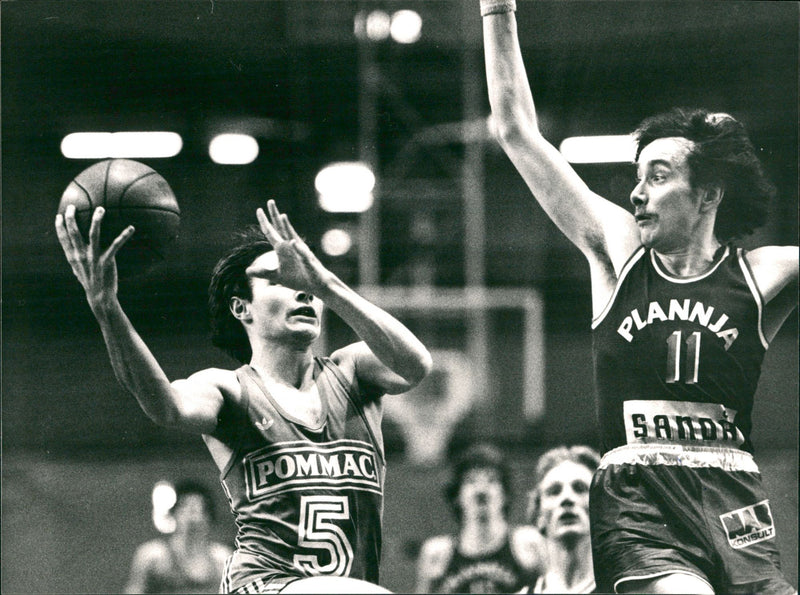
{"x":233,"y":429}
{"x":755,"y":291}
{"x":633,"y":259}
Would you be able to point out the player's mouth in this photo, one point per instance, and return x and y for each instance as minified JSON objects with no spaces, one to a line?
{"x":305,"y":311}
{"x":569,"y":518}
{"x":642,"y":218}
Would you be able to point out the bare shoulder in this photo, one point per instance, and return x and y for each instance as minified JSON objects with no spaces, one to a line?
{"x":527,"y":544}
{"x":774,"y":267}
{"x":219,"y":378}
{"x":152,"y":551}
{"x":435,"y":554}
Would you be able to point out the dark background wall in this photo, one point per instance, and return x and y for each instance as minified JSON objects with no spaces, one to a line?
{"x":79,"y":457}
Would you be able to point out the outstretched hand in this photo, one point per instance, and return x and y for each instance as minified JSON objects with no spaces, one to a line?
{"x":297,"y":268}
{"x":95,"y":269}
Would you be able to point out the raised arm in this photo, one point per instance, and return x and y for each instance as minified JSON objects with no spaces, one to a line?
{"x":604,"y":232}
{"x":191,"y":404}
{"x":389,"y":356}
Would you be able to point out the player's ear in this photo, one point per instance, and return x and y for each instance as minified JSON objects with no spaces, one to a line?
{"x":240,"y":308}
{"x":711,"y":196}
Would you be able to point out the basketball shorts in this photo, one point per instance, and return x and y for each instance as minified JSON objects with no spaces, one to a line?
{"x":701,"y":511}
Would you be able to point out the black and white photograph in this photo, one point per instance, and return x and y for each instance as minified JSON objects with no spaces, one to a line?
{"x":399,"y":296}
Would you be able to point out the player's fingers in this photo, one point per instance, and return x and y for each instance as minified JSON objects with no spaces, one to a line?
{"x":94,"y":228}
{"x":75,"y":237}
{"x":272,"y":235}
{"x":276,"y":216}
{"x":290,"y":229}
{"x":119,"y":242}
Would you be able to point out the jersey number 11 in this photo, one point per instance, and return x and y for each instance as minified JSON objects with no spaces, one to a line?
{"x":691,"y":364}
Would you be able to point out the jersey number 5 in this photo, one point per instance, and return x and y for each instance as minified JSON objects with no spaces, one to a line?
{"x":318,"y":530}
{"x":692,"y":357}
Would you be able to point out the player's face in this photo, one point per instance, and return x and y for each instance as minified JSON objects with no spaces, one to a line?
{"x":481,"y":493}
{"x":283,"y":312}
{"x":666,"y":207}
{"x":564,"y":501}
{"x":191,"y":512}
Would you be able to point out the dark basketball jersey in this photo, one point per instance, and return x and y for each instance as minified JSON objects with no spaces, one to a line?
{"x":677,"y":360}
{"x":497,"y":572}
{"x":307,"y":501}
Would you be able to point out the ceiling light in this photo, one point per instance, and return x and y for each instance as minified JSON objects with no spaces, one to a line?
{"x":233,"y":149}
{"x":599,"y":149}
{"x":101,"y":145}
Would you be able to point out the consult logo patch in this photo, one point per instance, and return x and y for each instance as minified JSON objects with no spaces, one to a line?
{"x":300,"y":465}
{"x":748,"y":525}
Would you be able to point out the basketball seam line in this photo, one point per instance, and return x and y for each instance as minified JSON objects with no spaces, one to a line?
{"x":128,"y":187}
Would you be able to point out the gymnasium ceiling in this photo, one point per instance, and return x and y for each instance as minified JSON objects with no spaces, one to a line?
{"x":290,"y":69}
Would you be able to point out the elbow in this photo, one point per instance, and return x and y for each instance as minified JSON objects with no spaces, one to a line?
{"x":514,"y":134}
{"x":423,"y":366}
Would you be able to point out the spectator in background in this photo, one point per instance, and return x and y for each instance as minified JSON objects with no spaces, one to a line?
{"x":187,"y":560}
{"x":558,"y":506}
{"x":486,"y":555}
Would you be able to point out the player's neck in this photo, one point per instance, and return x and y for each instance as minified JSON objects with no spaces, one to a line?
{"x":283,"y":365}
{"x":690,"y":261}
{"x":569,"y":564}
{"x":482,"y":536}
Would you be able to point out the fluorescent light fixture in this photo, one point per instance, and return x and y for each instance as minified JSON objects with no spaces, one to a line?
{"x":599,"y":149}
{"x":101,"y":145}
{"x":345,"y":187}
{"x":233,"y":149}
{"x":336,"y":242}
{"x":406,"y":26}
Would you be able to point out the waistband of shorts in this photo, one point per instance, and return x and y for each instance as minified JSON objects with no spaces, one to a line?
{"x":727,"y":459}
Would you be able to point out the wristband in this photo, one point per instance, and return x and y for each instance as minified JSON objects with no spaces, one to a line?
{"x":497,"y":6}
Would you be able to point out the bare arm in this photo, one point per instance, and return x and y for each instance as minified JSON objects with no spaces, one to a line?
{"x":389,"y":356}
{"x":604,"y":232}
{"x":775,"y":271}
{"x":191,"y":404}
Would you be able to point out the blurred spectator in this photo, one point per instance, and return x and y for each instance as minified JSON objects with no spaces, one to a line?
{"x":486,"y":555}
{"x":558,"y":506}
{"x":187,"y":560}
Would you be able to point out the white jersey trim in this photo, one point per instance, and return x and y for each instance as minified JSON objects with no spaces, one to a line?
{"x":727,"y":459}
{"x":683,"y":280}
{"x":751,"y":283}
{"x":622,"y":274}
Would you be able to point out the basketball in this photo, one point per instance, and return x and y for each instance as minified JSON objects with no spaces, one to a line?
{"x":132,"y":194}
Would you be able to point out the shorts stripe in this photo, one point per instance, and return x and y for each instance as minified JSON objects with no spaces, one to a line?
{"x":726,"y":459}
{"x":654,"y":575}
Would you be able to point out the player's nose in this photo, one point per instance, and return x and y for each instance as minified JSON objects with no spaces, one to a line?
{"x":304,"y":297}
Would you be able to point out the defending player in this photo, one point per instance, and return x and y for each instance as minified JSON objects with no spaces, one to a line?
{"x":487,"y":555}
{"x":297,"y":438}
{"x":682,"y":319}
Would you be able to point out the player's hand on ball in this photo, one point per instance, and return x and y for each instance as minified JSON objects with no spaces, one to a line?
{"x":95,"y":269}
{"x":297,"y":267}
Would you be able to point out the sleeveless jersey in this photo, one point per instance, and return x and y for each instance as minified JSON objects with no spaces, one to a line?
{"x":307,"y":501}
{"x":677,"y":360}
{"x":497,"y":572}
{"x":169,"y":576}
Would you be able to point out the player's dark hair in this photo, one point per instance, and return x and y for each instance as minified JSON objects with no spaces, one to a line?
{"x":582,"y":455}
{"x":478,"y":456}
{"x":190,"y":487}
{"x":229,"y":280}
{"x":722,"y":155}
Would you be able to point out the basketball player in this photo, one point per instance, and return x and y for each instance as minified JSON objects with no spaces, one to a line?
{"x":297,"y":438}
{"x":486,"y":555}
{"x":682,"y":318}
{"x":558,"y":506}
{"x":188,"y":560}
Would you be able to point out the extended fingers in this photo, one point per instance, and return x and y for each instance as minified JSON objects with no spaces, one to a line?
{"x":118,"y":242}
{"x":272,"y":235}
